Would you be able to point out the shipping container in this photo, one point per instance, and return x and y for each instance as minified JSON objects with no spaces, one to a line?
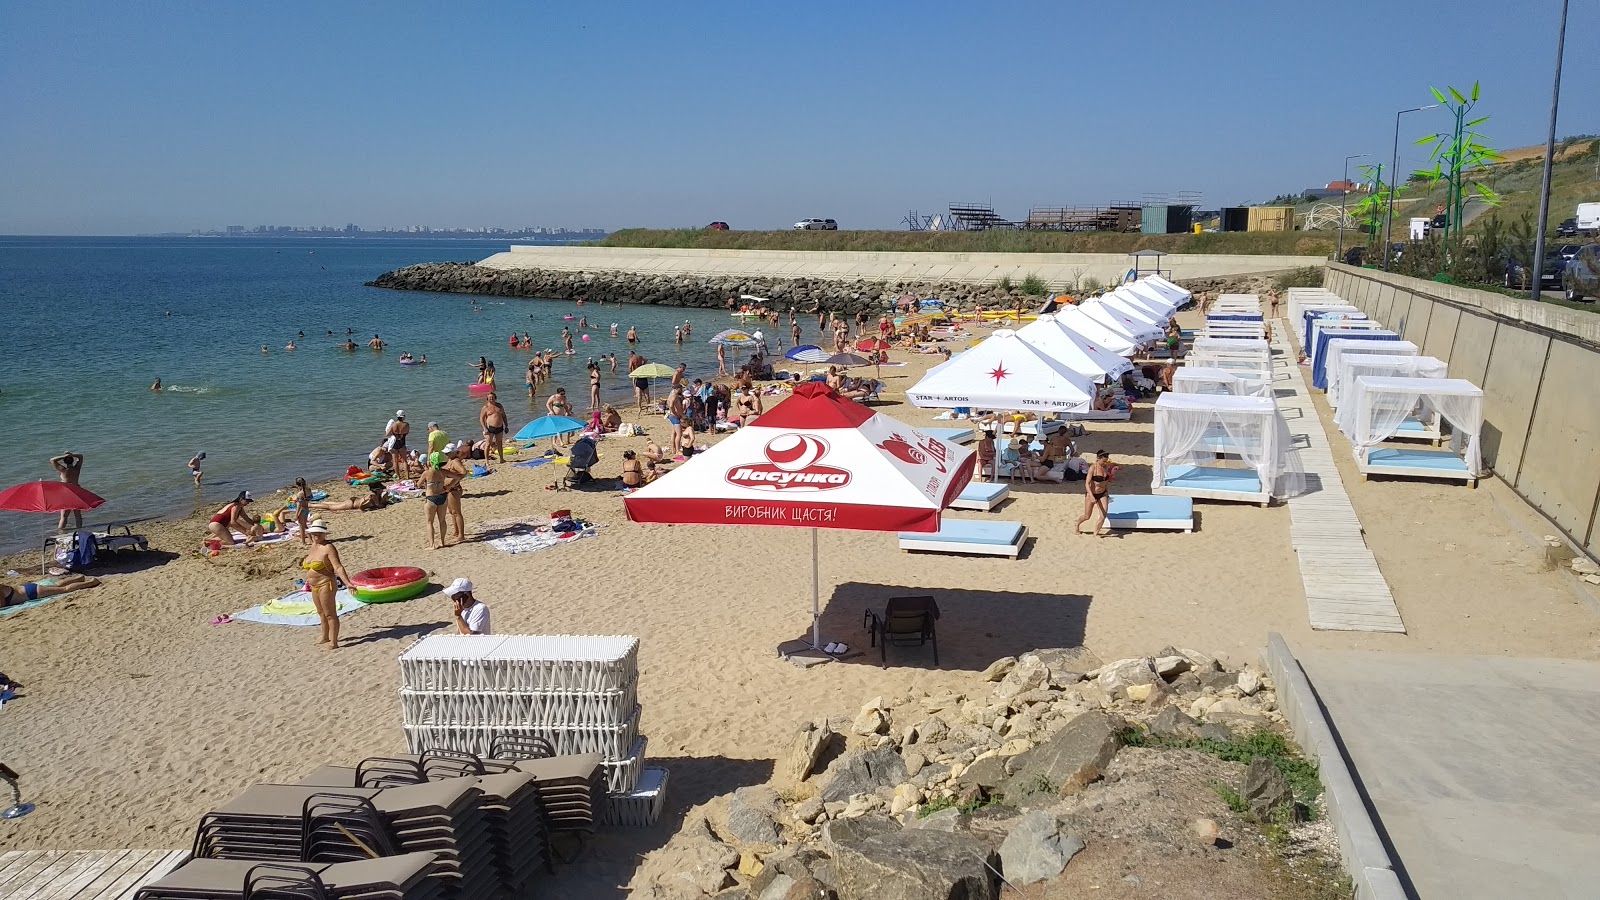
{"x":1271,"y":218}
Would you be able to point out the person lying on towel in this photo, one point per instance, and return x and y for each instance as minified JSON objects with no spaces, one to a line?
{"x":27,"y":592}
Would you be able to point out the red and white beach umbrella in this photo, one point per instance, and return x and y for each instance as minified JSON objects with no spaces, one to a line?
{"x":816,"y":460}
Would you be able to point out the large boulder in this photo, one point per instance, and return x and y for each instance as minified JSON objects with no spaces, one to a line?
{"x":752,"y":815}
{"x":1265,"y":789}
{"x":1037,"y":848}
{"x":854,"y":831}
{"x":862,"y":772}
{"x":1117,"y":677}
{"x":1073,"y":757}
{"x":804,"y":750}
{"x":696,"y":861}
{"x":916,"y":864}
{"x":1067,"y":665}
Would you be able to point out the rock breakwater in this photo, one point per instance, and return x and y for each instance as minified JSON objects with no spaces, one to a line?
{"x":711,"y":292}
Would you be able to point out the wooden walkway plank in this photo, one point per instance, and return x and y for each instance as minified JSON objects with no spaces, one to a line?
{"x":1345,"y":590}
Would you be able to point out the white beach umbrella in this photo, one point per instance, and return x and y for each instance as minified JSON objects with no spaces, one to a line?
{"x":1073,"y":350}
{"x":1004,"y":372}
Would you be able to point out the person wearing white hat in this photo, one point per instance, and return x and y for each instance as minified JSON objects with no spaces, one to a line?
{"x":471,"y":614}
{"x":322,"y":562}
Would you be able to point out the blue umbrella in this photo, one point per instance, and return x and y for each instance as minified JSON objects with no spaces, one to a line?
{"x":808,"y":353}
{"x":548,"y":427}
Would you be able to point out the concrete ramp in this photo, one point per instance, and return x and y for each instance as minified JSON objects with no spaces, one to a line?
{"x":1483,"y":772}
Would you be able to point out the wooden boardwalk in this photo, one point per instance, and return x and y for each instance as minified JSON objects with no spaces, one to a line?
{"x":82,"y":874}
{"x":1344,"y":589}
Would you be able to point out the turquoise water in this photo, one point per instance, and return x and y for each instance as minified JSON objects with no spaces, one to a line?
{"x":89,"y":323}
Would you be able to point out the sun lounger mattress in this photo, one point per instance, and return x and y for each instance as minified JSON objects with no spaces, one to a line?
{"x":969,"y":531}
{"x":1205,"y":478}
{"x":983,"y":492}
{"x":1400,"y":458}
{"x":951,"y":435}
{"x":1137,"y":511}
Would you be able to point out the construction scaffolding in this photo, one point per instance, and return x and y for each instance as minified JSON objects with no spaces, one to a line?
{"x":974,"y":217}
{"x":1121,"y":217}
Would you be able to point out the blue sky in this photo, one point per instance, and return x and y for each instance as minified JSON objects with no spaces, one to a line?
{"x":122,"y":118}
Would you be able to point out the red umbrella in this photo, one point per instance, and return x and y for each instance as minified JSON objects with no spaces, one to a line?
{"x":814,"y":461}
{"x":879,"y":349}
{"x":47,"y":497}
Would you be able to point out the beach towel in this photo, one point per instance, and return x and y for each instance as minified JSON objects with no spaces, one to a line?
{"x":295,"y":608}
{"x":542,"y":537}
{"x":532,"y":463}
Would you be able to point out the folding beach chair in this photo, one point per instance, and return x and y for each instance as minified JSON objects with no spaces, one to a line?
{"x":905,"y":622}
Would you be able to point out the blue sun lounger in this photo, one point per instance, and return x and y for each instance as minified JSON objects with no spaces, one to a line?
{"x":981,"y":495}
{"x":951,"y":435}
{"x":1214,"y":483}
{"x":969,"y":536}
{"x":1146,"y":513}
{"x":1414,"y":429}
{"x":1405,"y":462}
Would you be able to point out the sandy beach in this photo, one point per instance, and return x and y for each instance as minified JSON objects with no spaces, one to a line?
{"x":138,"y":715}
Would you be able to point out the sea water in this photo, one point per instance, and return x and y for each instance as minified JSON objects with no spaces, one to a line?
{"x":87,"y":324}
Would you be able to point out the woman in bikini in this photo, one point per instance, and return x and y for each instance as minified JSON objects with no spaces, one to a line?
{"x":399,"y":429}
{"x":436,"y":486}
{"x":322,"y":562}
{"x":1097,"y":494}
{"x":302,"y":509}
{"x":232,"y":516}
{"x":375,"y":499}
{"x":632,"y":471}
{"x":29,"y":591}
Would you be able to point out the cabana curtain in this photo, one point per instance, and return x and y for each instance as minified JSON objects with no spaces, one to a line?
{"x":1254,"y":428}
{"x":1381,"y":404}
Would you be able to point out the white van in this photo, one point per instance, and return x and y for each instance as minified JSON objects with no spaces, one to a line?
{"x":1589,"y":218}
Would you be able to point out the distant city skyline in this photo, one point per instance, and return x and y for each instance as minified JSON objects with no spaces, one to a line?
{"x":129,"y":118}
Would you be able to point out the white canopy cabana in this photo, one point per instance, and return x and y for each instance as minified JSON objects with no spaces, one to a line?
{"x":1136,"y":330}
{"x":1130,"y":304}
{"x":1211,"y":380}
{"x":1301,"y":299}
{"x":1150,"y":298}
{"x":1340,"y":349}
{"x":1004,"y":372}
{"x":1072,"y":350}
{"x":1233,"y":345}
{"x":1177,"y":296}
{"x":1375,"y":408}
{"x":1079,"y":322}
{"x":1192,"y":429}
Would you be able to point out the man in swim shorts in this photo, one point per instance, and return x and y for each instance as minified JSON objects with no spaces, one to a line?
{"x":676,"y":410}
{"x":493,"y":419}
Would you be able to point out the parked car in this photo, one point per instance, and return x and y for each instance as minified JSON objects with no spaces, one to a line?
{"x":816,"y":225}
{"x":718,"y":226}
{"x":1568,"y":228}
{"x":1439,"y":221}
{"x":1580,"y":277}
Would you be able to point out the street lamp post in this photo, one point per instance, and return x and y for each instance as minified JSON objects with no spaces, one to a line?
{"x":1388,"y":224}
{"x":1344,"y":191}
{"x":1549,"y":159}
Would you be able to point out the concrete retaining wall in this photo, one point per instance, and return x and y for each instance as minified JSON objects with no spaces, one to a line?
{"x":1539,"y":367}
{"x":1059,"y":270}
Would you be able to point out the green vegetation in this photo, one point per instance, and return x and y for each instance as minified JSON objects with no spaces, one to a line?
{"x":1306,"y":277}
{"x":1231,"y":799}
{"x":938,"y":803}
{"x":1269,"y":745}
{"x":1005,"y":283}
{"x":1034,"y":286}
{"x":1255,"y":243}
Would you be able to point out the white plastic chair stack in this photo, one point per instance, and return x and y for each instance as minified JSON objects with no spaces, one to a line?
{"x":578,"y":692}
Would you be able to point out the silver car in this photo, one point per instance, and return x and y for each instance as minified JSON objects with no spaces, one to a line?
{"x":816,"y":225}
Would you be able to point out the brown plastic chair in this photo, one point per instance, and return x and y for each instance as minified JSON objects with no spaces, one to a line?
{"x":905,"y":622}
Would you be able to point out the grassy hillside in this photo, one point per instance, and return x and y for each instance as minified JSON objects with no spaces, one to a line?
{"x":1249,"y":244}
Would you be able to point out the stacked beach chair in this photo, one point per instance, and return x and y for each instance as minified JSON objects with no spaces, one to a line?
{"x":482,"y":694}
{"x":410,"y":876}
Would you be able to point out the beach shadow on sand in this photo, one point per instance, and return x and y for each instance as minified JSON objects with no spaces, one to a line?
{"x":975,"y":627}
{"x":391,"y":633}
{"x":606,"y":865}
